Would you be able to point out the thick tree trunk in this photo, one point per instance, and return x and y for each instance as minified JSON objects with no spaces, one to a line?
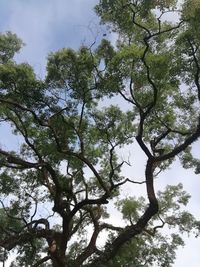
{"x":58,"y":262}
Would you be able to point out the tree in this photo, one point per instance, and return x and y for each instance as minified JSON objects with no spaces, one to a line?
{"x":56,"y":188}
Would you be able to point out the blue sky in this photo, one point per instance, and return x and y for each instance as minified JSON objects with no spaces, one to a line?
{"x":48,"y":25}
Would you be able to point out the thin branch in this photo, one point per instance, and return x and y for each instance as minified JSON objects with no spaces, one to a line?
{"x":196,"y":61}
{"x":25,"y":134}
{"x":39,"y":262}
{"x":8,"y":214}
{"x":111,"y":227}
{"x":15,"y":104}
{"x":130,"y":181}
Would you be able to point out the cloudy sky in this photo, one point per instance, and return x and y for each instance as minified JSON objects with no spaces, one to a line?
{"x":48,"y":25}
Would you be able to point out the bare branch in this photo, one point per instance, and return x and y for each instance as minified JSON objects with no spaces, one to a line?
{"x":39,"y":262}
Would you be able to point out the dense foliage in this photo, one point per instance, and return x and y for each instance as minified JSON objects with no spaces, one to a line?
{"x":56,"y":189}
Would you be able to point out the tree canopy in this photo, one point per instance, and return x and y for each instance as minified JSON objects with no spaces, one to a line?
{"x":56,"y":189}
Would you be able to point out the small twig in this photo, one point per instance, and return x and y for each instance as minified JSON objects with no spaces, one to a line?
{"x":38,"y":263}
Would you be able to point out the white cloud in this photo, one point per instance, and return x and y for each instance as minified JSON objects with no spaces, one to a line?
{"x":46,"y":26}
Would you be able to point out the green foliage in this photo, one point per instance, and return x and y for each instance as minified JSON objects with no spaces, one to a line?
{"x":154,"y":247}
{"x":56,"y":187}
{"x":19,"y":83}
{"x":147,"y":250}
{"x":131,"y":208}
{"x":9,"y":45}
{"x":29,"y":253}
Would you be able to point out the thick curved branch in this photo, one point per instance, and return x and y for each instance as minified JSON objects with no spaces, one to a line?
{"x":130,"y":232}
{"x":12,"y":159}
{"x":90,"y":249}
{"x":188,"y":141}
{"x":24,"y":237}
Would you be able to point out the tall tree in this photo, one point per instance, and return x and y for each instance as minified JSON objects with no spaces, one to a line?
{"x":56,"y":188}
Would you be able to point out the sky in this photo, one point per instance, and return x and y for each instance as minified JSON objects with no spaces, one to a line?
{"x":48,"y":25}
